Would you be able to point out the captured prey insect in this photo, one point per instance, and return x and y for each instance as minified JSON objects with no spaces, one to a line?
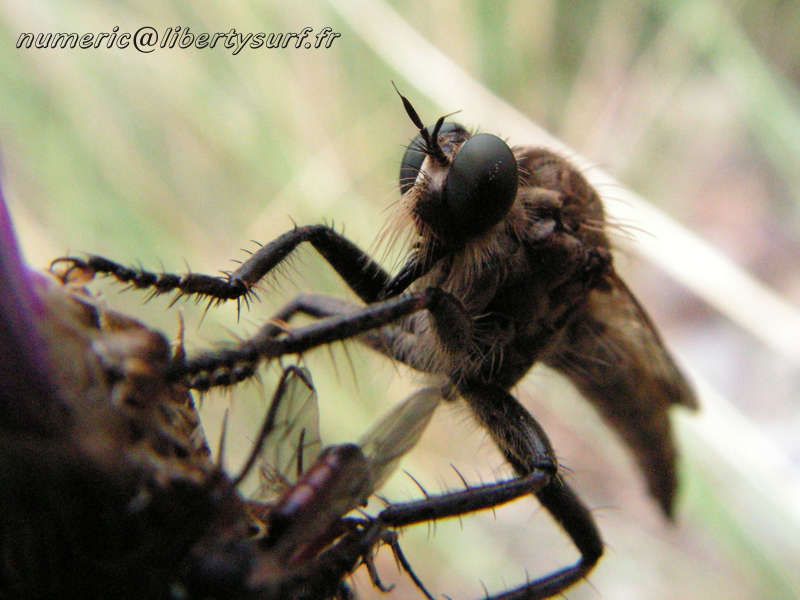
{"x":305,"y":491}
{"x":508,"y":265}
{"x":107,"y":486}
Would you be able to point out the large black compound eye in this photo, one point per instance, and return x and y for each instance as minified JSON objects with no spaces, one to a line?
{"x":481,"y":184}
{"x":415,"y":154}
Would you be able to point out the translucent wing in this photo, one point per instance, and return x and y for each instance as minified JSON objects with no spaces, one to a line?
{"x":293,"y":442}
{"x":398,"y":432}
{"x":614,"y":355}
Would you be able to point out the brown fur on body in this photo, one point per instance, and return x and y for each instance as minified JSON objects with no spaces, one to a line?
{"x":540,"y":286}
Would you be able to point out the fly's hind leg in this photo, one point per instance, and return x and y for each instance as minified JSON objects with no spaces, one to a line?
{"x":364,"y":534}
{"x":453,"y":504}
{"x":524,"y":444}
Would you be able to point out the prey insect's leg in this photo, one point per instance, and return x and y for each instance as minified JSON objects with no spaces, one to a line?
{"x":526,"y":447}
{"x":364,"y":276}
{"x":227,"y":367}
{"x":390,"y":538}
{"x":358,"y":539}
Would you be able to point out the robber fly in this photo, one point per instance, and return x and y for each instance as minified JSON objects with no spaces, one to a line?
{"x":509,"y":264}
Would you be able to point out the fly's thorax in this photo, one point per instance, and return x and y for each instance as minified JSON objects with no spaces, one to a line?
{"x":550,"y":181}
{"x":520,"y":280}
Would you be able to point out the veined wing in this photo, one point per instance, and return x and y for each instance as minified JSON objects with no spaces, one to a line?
{"x":398,"y":432}
{"x":293,"y":443}
{"x":304,"y":519}
{"x":614,"y":355}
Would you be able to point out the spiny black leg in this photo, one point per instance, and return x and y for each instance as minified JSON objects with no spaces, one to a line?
{"x":362,"y":274}
{"x":451,"y":504}
{"x":196,"y":284}
{"x":227,"y":367}
{"x":391,"y":340}
{"x":360,"y":540}
{"x":394,"y":341}
{"x":525,"y":445}
{"x":390,"y":538}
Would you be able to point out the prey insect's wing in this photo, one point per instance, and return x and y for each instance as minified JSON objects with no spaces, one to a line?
{"x":614,"y":355}
{"x":294,"y":442}
{"x":308,"y":517}
{"x":398,"y":432}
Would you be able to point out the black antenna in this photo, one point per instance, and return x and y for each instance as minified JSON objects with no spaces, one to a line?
{"x":431,"y":141}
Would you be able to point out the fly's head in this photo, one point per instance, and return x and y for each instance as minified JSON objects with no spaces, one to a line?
{"x":477,"y":207}
{"x":456,"y":186}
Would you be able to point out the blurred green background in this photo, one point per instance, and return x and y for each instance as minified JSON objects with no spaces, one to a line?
{"x":187,"y":155}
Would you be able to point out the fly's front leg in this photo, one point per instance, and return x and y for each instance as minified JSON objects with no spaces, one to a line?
{"x":227,"y":367}
{"x":396,"y":340}
{"x":525,"y":445}
{"x":361,"y":273}
{"x":453,"y":326}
